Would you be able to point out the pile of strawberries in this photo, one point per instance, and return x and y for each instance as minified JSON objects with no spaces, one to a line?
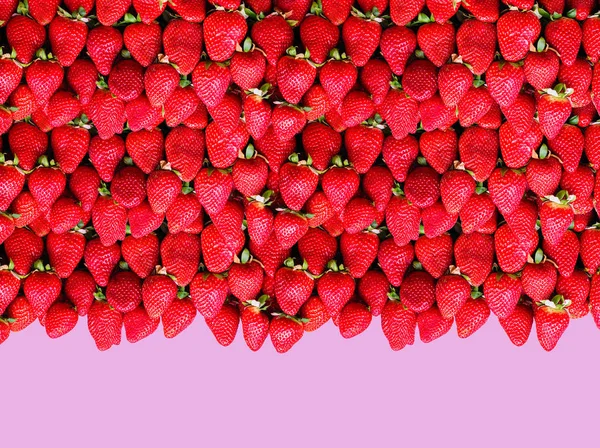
{"x":279,"y":163}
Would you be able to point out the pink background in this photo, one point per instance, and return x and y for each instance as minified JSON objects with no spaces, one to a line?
{"x":481,"y":392}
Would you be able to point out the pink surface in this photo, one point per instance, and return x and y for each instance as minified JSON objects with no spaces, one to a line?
{"x":482,"y":392}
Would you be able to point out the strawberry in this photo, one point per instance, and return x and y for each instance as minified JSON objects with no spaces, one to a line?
{"x":245,"y":278}
{"x":104,"y":324}
{"x":103,"y":45}
{"x":107,"y":113}
{"x":360,"y":250}
{"x":361,"y":38}
{"x":319,"y":36}
{"x":568,"y":145}
{"x":564,"y":254}
{"x":478,"y":150}
{"x":417,"y":291}
{"x":285,"y":332}
{"x":451,"y":293}
{"x":129,"y":186}
{"x":177,"y":317}
{"x":364,"y":144}
{"x":420,"y":79}
{"x":259,"y":219}
{"x":435,"y":254}
{"x":158,"y":292}
{"x":7,"y":227}
{"x":46,"y":185}
{"x":398,"y":324}
{"x":543,"y":175}
{"x":60,"y":319}
{"x":180,"y":255}
{"x":436,"y":115}
{"x":454,"y":80}
{"x":9,"y":289}
{"x":67,"y":39}
{"x":565,"y":35}
{"x":321,"y":143}
{"x":541,"y":69}
{"x":394,"y":260}
{"x":373,"y":288}
{"x":375,"y":77}
{"x":140,"y":254}
{"x":576,"y":289}
{"x":437,"y":41}
{"x":337,"y":78}
{"x":377,"y":185}
{"x":340,"y":184}
{"x":217,"y":255}
{"x":190,"y":10}
{"x":84,"y":184}
{"x":70,"y":145}
{"x":335,"y":289}
{"x":25,"y":36}
{"x":397,"y":45}
{"x":139,"y":325}
{"x":287,"y":121}
{"x":101,"y":260}
{"x":248,"y":67}
{"x":400,"y":112}
{"x":27,"y":143}
{"x":551,"y":321}
{"x":289,"y":227}
{"x":432,"y":325}
{"x":294,"y":76}
{"x":516,"y":33}
{"x":143,"y":41}
{"x":504,"y":81}
{"x":456,"y":187}
{"x":218,"y":25}
{"x":255,"y":324}
{"x":471,"y":317}
{"x":317,"y":247}
{"x":22,"y":314}
{"x":126,"y":80}
{"x":474,"y":105}
{"x":273,"y":35}
{"x":184,"y":148}
{"x":476,"y":44}
{"x":81,"y":77}
{"x":182,"y":42}
{"x":11,"y":77}
{"x":208,"y":293}
{"x":65,"y":251}
{"x":354,"y":319}
{"x":41,"y":289}
{"x":12,"y":181}
{"x":7,"y":8}
{"x":109,"y":12}
{"x":356,"y":108}
{"x":589,"y":249}
{"x":225,"y":324}
{"x":518,"y":324}
{"x":223,"y":148}
{"x":314,"y":310}
{"x":474,"y":255}
{"x":337,"y":12}
{"x":516,"y":149}
{"x":502,"y":293}
{"x":539,"y":278}
{"x":124,"y":291}
{"x":298,"y":183}
{"x":556,"y":215}
{"x":510,"y":251}
{"x":358,"y":215}
{"x":211,"y":81}
{"x":109,"y":219}
{"x":439,"y":149}
{"x":79,"y":288}
{"x":590,"y":28}
{"x":403,"y":219}
{"x":422,"y":187}
{"x":506,"y":188}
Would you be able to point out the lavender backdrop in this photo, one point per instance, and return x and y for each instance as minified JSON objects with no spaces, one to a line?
{"x":482,"y":392}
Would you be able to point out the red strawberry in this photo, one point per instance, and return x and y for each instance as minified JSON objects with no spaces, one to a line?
{"x":506,"y":188}
{"x":398,"y":324}
{"x":294,"y":76}
{"x":245,"y":278}
{"x":565,"y":35}
{"x":65,"y":251}
{"x":553,"y":111}
{"x":7,"y":227}
{"x":110,"y":220}
{"x":564,"y":254}
{"x":354,"y":319}
{"x":41,"y":290}
{"x":400,"y":112}
{"x":285,"y":332}
{"x":478,"y":150}
{"x":590,"y":28}
{"x":177,"y":317}
{"x":25,"y":36}
{"x":568,"y":146}
{"x":211,"y":81}
{"x":551,"y":321}
{"x":359,"y":251}
{"x":22,"y":314}
{"x":518,"y":325}
{"x":576,"y":289}
{"x":82,"y":76}
{"x":375,"y":77}
{"x":27,"y":143}
{"x":143,"y":41}
{"x":60,"y":319}
{"x":454,"y":80}
{"x":67,"y":39}
{"x":397,"y":45}
{"x":103,"y":45}
{"x":471,"y":317}
{"x":451,"y":293}
{"x":158,"y":292}
{"x":335,"y":289}
{"x":101,"y":260}
{"x":474,"y":255}
{"x":124,"y":291}
{"x":289,"y":228}
{"x":104,"y":324}
{"x":516,"y":33}
{"x":420,"y":80}
{"x":317,"y":247}
{"x":182,"y":41}
{"x":504,"y":81}
{"x":319,"y":36}
{"x":109,"y":11}
{"x":141,"y":254}
{"x":364,"y":144}
{"x":437,"y":41}
{"x":422,"y":187}
{"x":432,"y":325}
{"x":180,"y":255}
{"x":476,"y":43}
{"x":502,"y":293}
{"x":556,"y":215}
{"x":225,"y":324}
{"x":84,"y":184}
{"x":394,"y":260}
{"x":417,"y":290}
{"x":11,"y":77}
{"x":539,"y":278}
{"x":435,"y":254}
{"x":145,"y":149}
{"x":12,"y":180}
{"x":314,"y":310}
{"x":511,"y":252}
{"x":184,"y":148}
{"x":223,"y":148}
{"x":79,"y":288}
{"x":139,"y":325}
{"x":361,"y":38}
{"x":9,"y":288}
{"x":541,"y":69}
{"x":373,"y":288}
{"x":107,"y":113}
{"x":222,"y":31}
{"x":456,"y":187}
{"x":255,"y":325}
{"x":337,"y":12}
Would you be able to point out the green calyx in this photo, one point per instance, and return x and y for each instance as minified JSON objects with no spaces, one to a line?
{"x":558,"y":302}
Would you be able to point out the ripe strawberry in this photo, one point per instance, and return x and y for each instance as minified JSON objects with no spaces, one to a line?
{"x":456,"y":187}
{"x":25,"y":36}
{"x":103,"y":45}
{"x":451,"y":293}
{"x":177,"y":317}
{"x":516,"y":33}
{"x":420,"y":80}
{"x":358,"y":252}
{"x":506,"y":188}
{"x":397,"y":45}
{"x":180,"y":255}
{"x":400,"y":112}
{"x":358,"y":215}
{"x":259,"y":219}
{"x":124,"y":291}
{"x":354,"y":319}
{"x":314,"y":311}
{"x":398,"y":324}
{"x":551,"y":321}
{"x":12,"y":181}
{"x":60,"y":319}
{"x":225,"y":324}
{"x":394,"y":260}
{"x":476,"y":44}
{"x":184,"y":148}
{"x":65,"y":251}
{"x":437,"y":41}
{"x":417,"y":291}
{"x":472,"y":316}
{"x":364,"y":144}
{"x":478,"y":150}
{"x":219,"y":24}
{"x":590,"y":28}
{"x":158,"y":292}
{"x":556,"y":215}
{"x":11,"y":77}
{"x":21,"y":313}
{"x":432,"y":325}
{"x":435,"y":254}
{"x":539,"y":279}
{"x":564,"y":254}
{"x":7,"y":227}
{"x":41,"y":289}
{"x":361,"y":38}
{"x":565,"y":35}
{"x":294,"y":76}
{"x":504,"y":81}
{"x":474,"y":105}
{"x":101,"y":260}
{"x":576,"y":289}
{"x":223,"y":148}
{"x":518,"y":324}
{"x":317,"y":247}
{"x":79,"y":288}
{"x":211,"y":81}
{"x":285,"y":332}
{"x":245,"y":278}
{"x":298,"y":183}
{"x":335,"y":289}
{"x":502,"y":293}
{"x":107,"y":113}
{"x":474,"y":255}
{"x":110,"y":220}
{"x":70,"y":145}
{"x":422,"y":187}
{"x":373,"y":288}
{"x":454,"y":80}
{"x":9,"y":288}
{"x":126,"y":80}
{"x":568,"y":146}
{"x":516,"y":149}
{"x":287,"y":121}
{"x":84,"y":184}
{"x":289,"y":228}
{"x":319,"y":36}
{"x":182,"y":41}
{"x":139,"y":325}
{"x":104,"y":324}
{"x":377,"y":185}
{"x":337,"y":78}
{"x":67,"y":39}
{"x":143,"y":41}
{"x":28,"y":143}
{"x":81,"y":77}
{"x":141,"y":254}
{"x":255,"y":324}
{"x":510,"y":251}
